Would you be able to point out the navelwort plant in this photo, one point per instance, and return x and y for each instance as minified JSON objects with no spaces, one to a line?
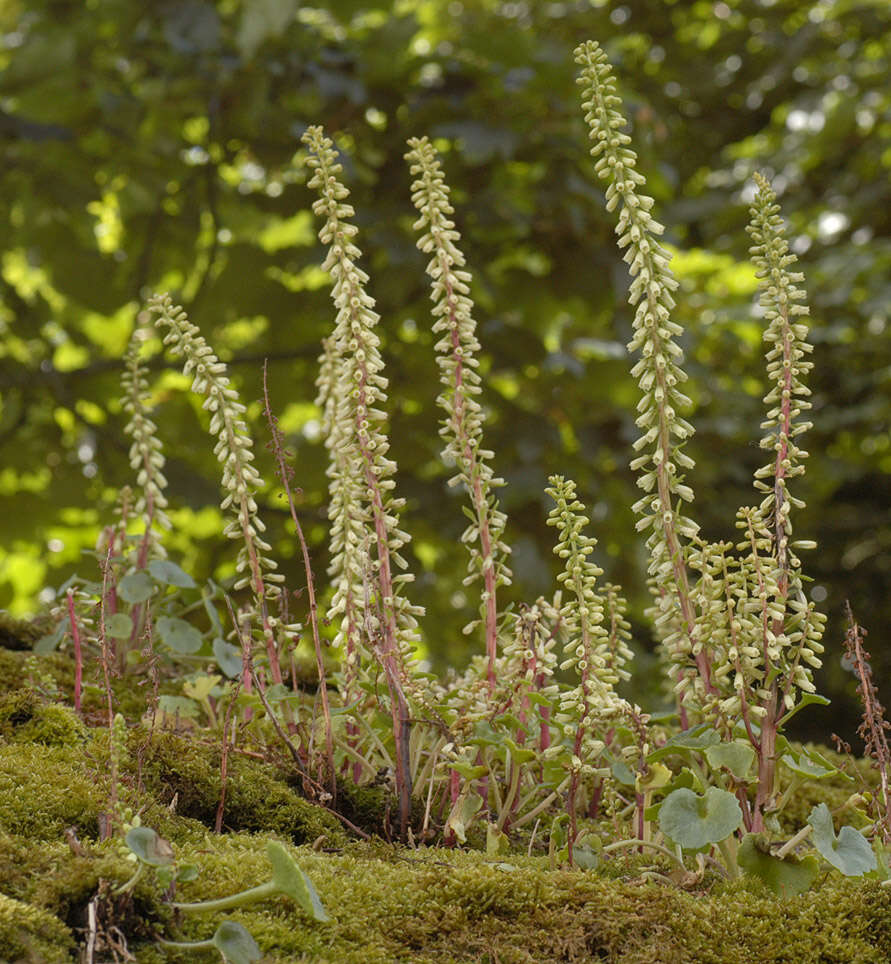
{"x":534,"y":731}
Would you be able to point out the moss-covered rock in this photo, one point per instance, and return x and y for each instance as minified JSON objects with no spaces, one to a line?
{"x":46,"y":789}
{"x":27,"y":718}
{"x":435,"y":907}
{"x":187,"y":770}
{"x":31,"y":935}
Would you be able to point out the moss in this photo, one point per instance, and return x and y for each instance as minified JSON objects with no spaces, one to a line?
{"x":31,"y":935}
{"x":16,"y":669}
{"x":44,"y":790}
{"x":26,"y":718}
{"x":389,"y":904}
{"x":431,"y":907}
{"x":174,"y":767}
{"x":55,"y":881}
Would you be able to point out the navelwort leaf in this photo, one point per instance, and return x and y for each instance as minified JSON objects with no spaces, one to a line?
{"x":119,"y":626}
{"x":235,"y":943}
{"x":784,"y":876}
{"x":179,"y":635}
{"x":169,"y":574}
{"x":136,"y":587}
{"x":737,"y":757}
{"x":692,"y":821}
{"x":849,"y":852}
{"x":291,"y":881}
{"x":149,"y":847}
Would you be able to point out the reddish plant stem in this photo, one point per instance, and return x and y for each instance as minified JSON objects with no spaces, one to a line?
{"x":285,"y":473}
{"x":78,"y":653}
{"x":107,"y":826}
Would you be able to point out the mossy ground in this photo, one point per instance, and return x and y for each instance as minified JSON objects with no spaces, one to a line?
{"x":387,"y":904}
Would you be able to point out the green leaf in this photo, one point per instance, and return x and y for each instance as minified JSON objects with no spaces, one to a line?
{"x":293,"y":882}
{"x":694,"y":821}
{"x":200,"y":687}
{"x":169,"y":574}
{"x":228,"y":657}
{"x":470,"y":771}
{"x":787,"y":877}
{"x":623,"y":773}
{"x":585,"y":858}
{"x":496,"y":840}
{"x":136,"y":587}
{"x":737,"y":757}
{"x":178,"y":706}
{"x":149,"y":847}
{"x":48,"y":643}
{"x":657,"y":776}
{"x":849,"y":852}
{"x":465,"y":809}
{"x":519,"y":754}
{"x":697,"y":738}
{"x":235,"y":943}
{"x":807,"y":699}
{"x":810,"y":764}
{"x":179,"y":635}
{"x":119,"y":626}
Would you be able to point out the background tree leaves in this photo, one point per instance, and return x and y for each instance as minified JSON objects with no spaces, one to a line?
{"x":155,"y":147}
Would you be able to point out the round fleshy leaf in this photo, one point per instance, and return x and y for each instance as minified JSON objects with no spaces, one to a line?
{"x":228,"y":657}
{"x":169,"y":574}
{"x":693,"y":821}
{"x":179,"y":635}
{"x":737,"y":757}
{"x":235,"y":943}
{"x":291,"y":881}
{"x":119,"y":626}
{"x":848,"y":852}
{"x":784,"y":876}
{"x":149,"y":847}
{"x":136,"y":587}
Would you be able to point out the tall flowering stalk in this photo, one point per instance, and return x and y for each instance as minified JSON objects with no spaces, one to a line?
{"x":791,"y":637}
{"x":743,"y":638}
{"x":462,"y":427}
{"x":234,"y":450}
{"x":658,"y":370}
{"x":589,"y":648}
{"x":353,"y":391}
{"x":146,"y":455}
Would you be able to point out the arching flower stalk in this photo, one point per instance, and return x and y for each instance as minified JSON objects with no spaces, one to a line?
{"x":587,"y":708}
{"x":658,"y":370}
{"x":352,"y":394}
{"x":146,"y":456}
{"x":462,"y":427}
{"x":234,"y":450}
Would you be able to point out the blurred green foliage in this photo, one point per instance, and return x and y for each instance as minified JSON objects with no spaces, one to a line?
{"x":155,"y":147}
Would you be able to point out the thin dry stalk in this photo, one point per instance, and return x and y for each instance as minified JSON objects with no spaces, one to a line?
{"x":874,"y":726}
